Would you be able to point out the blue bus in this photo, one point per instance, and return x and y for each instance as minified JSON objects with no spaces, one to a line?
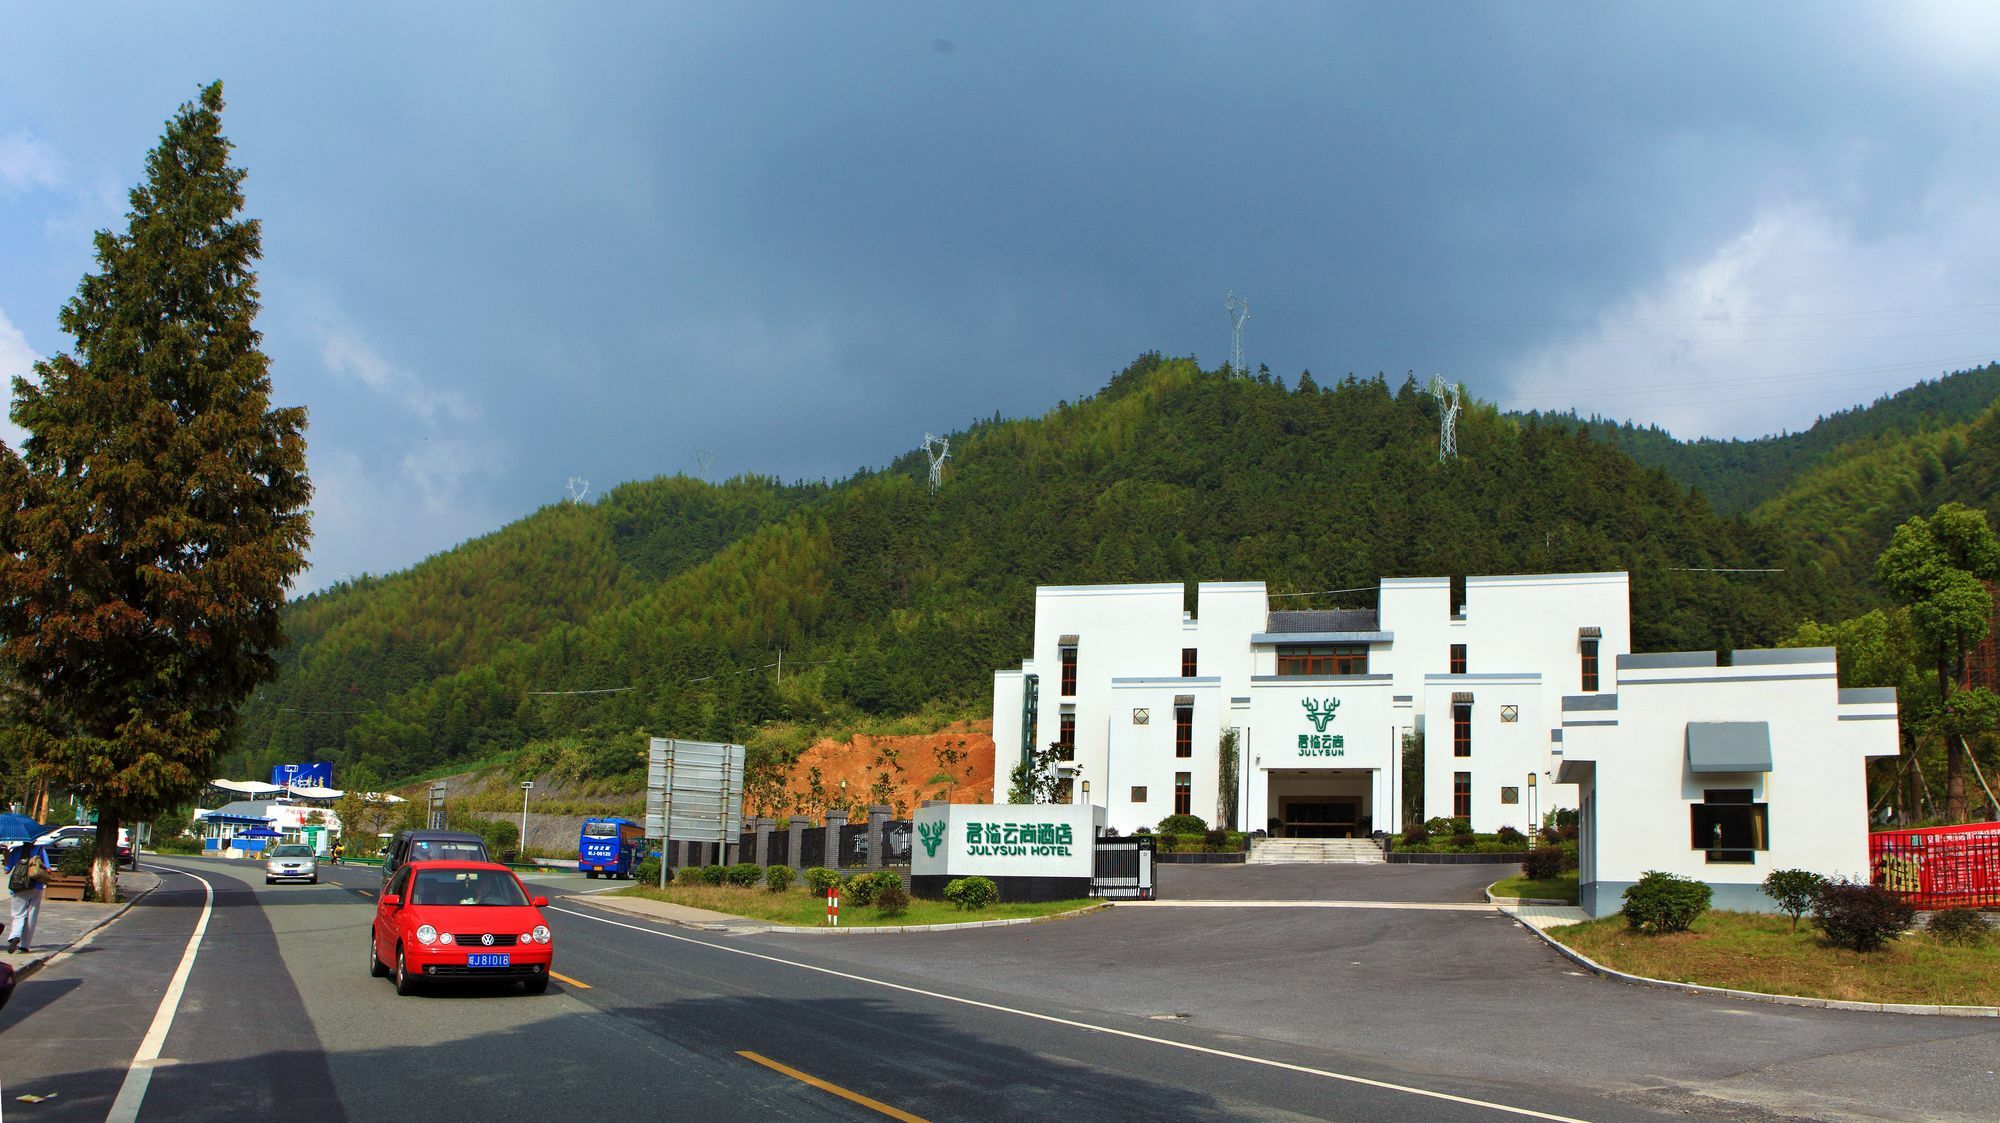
{"x":610,"y":847}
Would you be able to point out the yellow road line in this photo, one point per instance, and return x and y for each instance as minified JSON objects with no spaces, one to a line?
{"x":852,"y":1097}
{"x":562,"y":978}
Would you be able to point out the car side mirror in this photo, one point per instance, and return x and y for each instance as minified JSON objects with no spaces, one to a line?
{"x":539,"y":902}
{"x":392,"y":899}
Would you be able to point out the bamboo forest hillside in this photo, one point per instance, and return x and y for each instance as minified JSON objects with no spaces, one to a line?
{"x":1739,"y":475}
{"x":665,"y":606}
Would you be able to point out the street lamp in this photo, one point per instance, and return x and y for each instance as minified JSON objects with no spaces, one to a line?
{"x":526,"y":787}
{"x":843,"y":797}
{"x":1534,"y":822}
{"x":1086,"y":793}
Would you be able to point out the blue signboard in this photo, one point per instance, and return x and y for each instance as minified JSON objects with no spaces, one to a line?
{"x":318,"y":775}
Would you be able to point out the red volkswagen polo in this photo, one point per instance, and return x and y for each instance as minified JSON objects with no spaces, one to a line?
{"x":459,"y":921}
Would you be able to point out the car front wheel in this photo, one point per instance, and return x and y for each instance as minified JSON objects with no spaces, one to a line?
{"x":375,"y":968}
{"x":537,"y":985}
{"x":406,"y":984}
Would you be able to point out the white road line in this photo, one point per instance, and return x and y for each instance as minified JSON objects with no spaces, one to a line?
{"x":1415,"y":906}
{"x":1204,"y":1049}
{"x":133,"y":1091}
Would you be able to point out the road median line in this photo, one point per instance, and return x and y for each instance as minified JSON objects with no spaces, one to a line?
{"x":558,"y":976}
{"x":827,"y":1086}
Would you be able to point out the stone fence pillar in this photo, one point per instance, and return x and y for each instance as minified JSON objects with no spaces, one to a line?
{"x":763,"y":828}
{"x":830,"y":854}
{"x":795,"y":839}
{"x":878,"y":814}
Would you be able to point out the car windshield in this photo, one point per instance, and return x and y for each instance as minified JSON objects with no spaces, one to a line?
{"x":446,"y":850}
{"x":600,"y":830}
{"x":466,"y":887}
{"x":293,"y":850}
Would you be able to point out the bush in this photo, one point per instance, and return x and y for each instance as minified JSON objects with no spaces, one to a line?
{"x":1543,"y":864}
{"x":1439,"y":827}
{"x":1464,"y":840}
{"x":1216,"y":840}
{"x":1860,"y":916}
{"x":74,"y":861}
{"x":743,"y":874}
{"x":646,"y":871}
{"x":1959,"y":927}
{"x":690,"y":875}
{"x":177,"y":846}
{"x":891,"y":899}
{"x":1572,"y":856}
{"x":1794,"y":891}
{"x":1665,"y":902}
{"x":777,"y":879}
{"x":1416,"y":834}
{"x":865,"y":889}
{"x":820,"y":879}
{"x":1510,"y":836}
{"x":971,"y":893}
{"x":711,"y":875}
{"x":1183,"y":824}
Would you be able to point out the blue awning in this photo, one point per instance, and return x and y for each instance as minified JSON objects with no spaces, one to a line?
{"x":1729,"y":746}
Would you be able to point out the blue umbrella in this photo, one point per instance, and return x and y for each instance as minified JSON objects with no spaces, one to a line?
{"x":20,"y":828}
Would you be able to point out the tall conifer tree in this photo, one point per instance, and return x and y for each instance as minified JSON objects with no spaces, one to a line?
{"x":157,"y":508}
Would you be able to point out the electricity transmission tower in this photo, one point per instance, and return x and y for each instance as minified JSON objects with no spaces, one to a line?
{"x":1450,"y":399}
{"x":1239,"y":311}
{"x":578,"y":487}
{"x":704,"y":458}
{"x":937,"y":450}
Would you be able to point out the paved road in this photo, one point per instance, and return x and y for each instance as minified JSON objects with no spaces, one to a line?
{"x":280,"y":1019}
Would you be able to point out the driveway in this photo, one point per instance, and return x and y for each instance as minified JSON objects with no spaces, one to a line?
{"x":1326,"y":882}
{"x":1464,"y":993}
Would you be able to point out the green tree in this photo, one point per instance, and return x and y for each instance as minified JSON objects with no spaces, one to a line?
{"x":1939,"y":566}
{"x":157,"y":508}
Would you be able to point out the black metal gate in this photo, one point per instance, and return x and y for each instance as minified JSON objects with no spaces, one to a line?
{"x":812,"y":848}
{"x":1124,"y":869}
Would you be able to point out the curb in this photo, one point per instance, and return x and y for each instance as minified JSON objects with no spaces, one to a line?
{"x":756,"y":929}
{"x":1518,"y":901}
{"x":28,"y":969}
{"x":1597,"y":968}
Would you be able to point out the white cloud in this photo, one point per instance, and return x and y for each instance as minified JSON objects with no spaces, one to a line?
{"x":345,"y":354}
{"x":17,"y":360}
{"x":1804,"y":312}
{"x":28,"y":163}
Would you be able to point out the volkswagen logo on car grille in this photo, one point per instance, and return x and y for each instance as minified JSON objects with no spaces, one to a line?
{"x":487,"y":939}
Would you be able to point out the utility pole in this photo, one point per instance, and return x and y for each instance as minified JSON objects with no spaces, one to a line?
{"x":526,"y":787}
{"x":1239,"y":311}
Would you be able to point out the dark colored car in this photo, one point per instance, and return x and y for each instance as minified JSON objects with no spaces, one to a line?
{"x":431,"y":846}
{"x":459,"y":922}
{"x":64,"y":838}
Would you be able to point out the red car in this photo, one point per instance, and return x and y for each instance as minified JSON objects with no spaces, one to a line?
{"x":459,"y":921}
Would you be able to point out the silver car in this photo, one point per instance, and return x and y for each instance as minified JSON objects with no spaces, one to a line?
{"x":292,"y":861}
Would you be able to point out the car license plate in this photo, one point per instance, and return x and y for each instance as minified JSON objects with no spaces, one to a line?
{"x":489,"y":959}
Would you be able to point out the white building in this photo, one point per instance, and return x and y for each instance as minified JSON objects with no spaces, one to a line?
{"x":1723,"y":774}
{"x":1140,"y":692}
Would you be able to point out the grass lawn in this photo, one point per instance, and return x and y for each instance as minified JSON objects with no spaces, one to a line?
{"x":1747,"y":951}
{"x":798,"y":906}
{"x":1561,"y":888}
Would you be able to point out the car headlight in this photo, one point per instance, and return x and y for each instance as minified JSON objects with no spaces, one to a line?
{"x":427,"y":935}
{"x":541,"y":933}
{"x":444,"y":937}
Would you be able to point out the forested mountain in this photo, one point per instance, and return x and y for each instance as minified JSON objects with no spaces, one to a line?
{"x":1739,"y":475}
{"x":676,"y":597}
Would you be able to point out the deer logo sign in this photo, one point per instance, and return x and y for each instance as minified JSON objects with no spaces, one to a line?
{"x":931,"y":834}
{"x":1321,"y":711}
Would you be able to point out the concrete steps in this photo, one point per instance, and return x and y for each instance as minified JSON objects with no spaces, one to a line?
{"x":1333,"y":850}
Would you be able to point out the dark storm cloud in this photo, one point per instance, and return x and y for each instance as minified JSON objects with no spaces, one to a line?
{"x":505,"y":247}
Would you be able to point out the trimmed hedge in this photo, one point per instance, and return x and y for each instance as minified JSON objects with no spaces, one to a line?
{"x":820,"y":879}
{"x":777,"y":879}
{"x":1543,"y":864}
{"x":971,"y":893}
{"x":1665,"y":902}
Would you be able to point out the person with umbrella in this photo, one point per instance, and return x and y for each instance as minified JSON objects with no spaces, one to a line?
{"x":27,"y":873}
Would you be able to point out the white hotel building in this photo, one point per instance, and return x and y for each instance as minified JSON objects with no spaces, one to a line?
{"x":1139,"y":691}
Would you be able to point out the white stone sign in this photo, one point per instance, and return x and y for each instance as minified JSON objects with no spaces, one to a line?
{"x":1005,"y":840}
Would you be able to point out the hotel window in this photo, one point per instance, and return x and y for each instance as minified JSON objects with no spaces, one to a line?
{"x":1461,"y":795}
{"x":1323,"y":659}
{"x":1183,"y":793}
{"x":1461,"y":729}
{"x":1589,"y":666}
{"x":1458,"y":658}
{"x":1067,"y":737}
{"x":1183,"y":731}
{"x":1069,"y":671}
{"x":1728,"y":826}
{"x":1187,"y":662}
{"x":1138,"y":795}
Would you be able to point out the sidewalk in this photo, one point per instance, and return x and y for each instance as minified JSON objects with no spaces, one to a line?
{"x":62,"y":923}
{"x":1540,"y":916}
{"x":683,"y":916}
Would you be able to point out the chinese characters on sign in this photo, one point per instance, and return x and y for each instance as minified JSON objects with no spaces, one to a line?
{"x":1002,"y":840}
{"x":1322,"y":744}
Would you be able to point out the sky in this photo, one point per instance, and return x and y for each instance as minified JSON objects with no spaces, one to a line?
{"x":511,"y":245}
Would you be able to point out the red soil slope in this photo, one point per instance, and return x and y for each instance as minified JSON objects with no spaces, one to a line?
{"x":901,"y":771}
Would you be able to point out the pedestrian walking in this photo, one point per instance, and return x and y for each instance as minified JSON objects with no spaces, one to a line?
{"x":27,"y":873}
